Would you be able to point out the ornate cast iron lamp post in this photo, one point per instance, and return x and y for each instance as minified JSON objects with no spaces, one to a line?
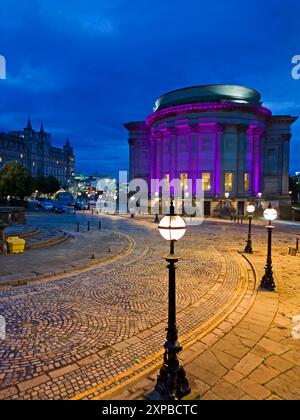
{"x":268,"y":282}
{"x":227,"y":202}
{"x":172,"y":383}
{"x":250,"y":210}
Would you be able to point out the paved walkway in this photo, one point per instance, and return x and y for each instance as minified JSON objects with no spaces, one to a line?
{"x":81,"y":250}
{"x":254,"y":359}
{"x":93,"y":334}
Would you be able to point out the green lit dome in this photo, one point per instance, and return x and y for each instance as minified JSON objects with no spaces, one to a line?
{"x":208,"y":93}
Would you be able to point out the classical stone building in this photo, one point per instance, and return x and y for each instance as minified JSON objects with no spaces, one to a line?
{"x":222,"y":134}
{"x":34,"y":150}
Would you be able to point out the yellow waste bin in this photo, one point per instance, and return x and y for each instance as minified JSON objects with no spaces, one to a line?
{"x":15,"y":245}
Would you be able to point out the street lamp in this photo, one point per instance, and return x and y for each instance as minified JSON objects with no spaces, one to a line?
{"x":267,"y":282}
{"x":227,"y":195}
{"x":250,"y":210}
{"x":172,"y":382}
{"x":259,"y":195}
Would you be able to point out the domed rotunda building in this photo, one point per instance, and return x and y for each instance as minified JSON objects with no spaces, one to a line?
{"x":221,"y":134}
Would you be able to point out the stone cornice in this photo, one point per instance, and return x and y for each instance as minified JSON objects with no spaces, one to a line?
{"x":282,"y":119}
{"x":207,"y":107}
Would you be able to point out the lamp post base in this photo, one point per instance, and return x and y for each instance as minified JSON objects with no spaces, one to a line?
{"x":249,"y":249}
{"x":268,"y":283}
{"x":172,"y":384}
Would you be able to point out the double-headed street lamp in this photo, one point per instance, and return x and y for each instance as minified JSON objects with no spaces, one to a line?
{"x":268,"y":282}
{"x":250,"y":210}
{"x":172,"y":382}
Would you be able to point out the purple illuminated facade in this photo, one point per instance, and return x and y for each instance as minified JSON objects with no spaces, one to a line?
{"x":221,"y":134}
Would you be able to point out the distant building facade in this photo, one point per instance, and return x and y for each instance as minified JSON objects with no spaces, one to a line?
{"x":221,"y":134}
{"x":34,"y":150}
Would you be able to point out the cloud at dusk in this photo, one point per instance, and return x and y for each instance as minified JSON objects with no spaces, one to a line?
{"x":85,"y":68}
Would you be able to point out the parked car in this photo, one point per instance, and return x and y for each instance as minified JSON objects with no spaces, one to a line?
{"x":40,"y":202}
{"x":58,"y":209}
{"x":80,"y":206}
{"x":47,"y":205}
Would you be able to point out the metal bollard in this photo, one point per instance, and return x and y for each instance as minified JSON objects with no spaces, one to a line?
{"x":297,"y":244}
{"x":89,"y":226}
{"x":92,"y":212}
{"x":78,"y":227}
{"x":100,"y":225}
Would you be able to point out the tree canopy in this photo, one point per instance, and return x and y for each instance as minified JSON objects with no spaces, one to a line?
{"x":15,"y":181}
{"x":46,"y":184}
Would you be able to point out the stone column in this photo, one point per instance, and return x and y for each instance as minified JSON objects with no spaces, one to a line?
{"x":285,"y":163}
{"x":194,"y":154}
{"x":152,"y":159}
{"x":257,"y":134}
{"x":241,"y":160}
{"x":172,"y":132}
{"x":219,"y":164}
{"x":158,"y":154}
{"x":131,"y":159}
{"x":249,"y":157}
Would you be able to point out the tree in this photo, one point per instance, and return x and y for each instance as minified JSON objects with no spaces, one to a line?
{"x":46,"y":184}
{"x":41,"y":184}
{"x":15,"y":181}
{"x":295,"y":189}
{"x":54,"y":184}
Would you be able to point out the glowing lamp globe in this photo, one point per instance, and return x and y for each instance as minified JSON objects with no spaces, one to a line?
{"x":270,"y":214}
{"x":172,"y":228}
{"x":250,"y":208}
{"x":227,"y":195}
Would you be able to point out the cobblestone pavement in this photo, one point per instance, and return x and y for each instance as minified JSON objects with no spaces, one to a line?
{"x":76,"y":252}
{"x":257,"y":358}
{"x":86,"y":334}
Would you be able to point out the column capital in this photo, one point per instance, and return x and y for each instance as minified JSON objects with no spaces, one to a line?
{"x":158,"y":134}
{"x":257,"y":131}
{"x":172,"y":131}
{"x":220,"y":128}
{"x":242,"y":128}
{"x":286,"y":137}
{"x":194,"y":128}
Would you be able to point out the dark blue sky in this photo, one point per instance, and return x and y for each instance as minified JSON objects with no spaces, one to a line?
{"x":85,"y":67}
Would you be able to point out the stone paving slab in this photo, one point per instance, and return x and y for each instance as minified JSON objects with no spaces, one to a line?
{"x":80,"y":251}
{"x":124,"y":302}
{"x":258,"y":359}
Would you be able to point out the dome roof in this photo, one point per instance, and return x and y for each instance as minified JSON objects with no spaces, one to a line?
{"x":208,"y":93}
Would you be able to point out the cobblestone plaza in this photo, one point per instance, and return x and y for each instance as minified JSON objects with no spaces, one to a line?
{"x":97,"y":332}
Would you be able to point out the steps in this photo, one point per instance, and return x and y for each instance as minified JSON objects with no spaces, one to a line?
{"x":38,"y":238}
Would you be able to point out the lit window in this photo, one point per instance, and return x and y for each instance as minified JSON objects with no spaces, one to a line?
{"x":206,"y":181}
{"x":247,"y":181}
{"x":183,"y":180}
{"x":228,"y":181}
